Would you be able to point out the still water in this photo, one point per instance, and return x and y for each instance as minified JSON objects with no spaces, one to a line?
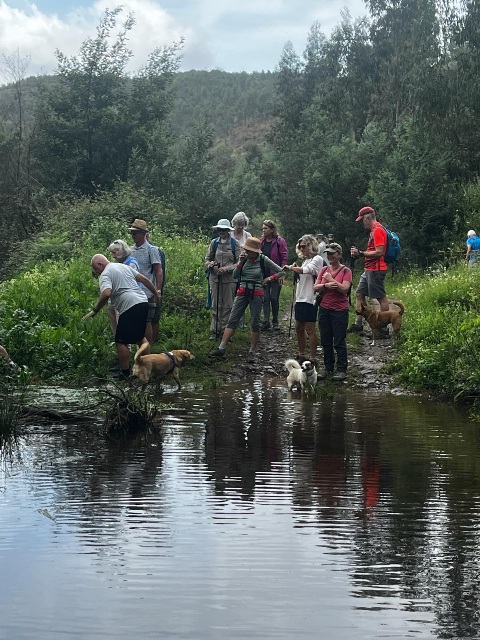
{"x":250,"y":514}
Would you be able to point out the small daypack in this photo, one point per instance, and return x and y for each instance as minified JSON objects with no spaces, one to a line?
{"x":393,"y":246}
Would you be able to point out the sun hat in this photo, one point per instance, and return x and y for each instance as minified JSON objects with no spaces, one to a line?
{"x":252,"y":244}
{"x":471,"y":233}
{"x":364,"y":212}
{"x":224,"y":224}
{"x":333,"y":247}
{"x":139,"y":225}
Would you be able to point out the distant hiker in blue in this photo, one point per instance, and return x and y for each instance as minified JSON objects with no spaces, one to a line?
{"x":473,"y":249}
{"x":222,"y":256}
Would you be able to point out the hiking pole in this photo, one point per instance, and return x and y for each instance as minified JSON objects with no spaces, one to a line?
{"x":295,"y":280}
{"x":218,"y":300}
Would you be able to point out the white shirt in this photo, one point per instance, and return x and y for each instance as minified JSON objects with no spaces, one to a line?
{"x":310,"y":267}
{"x":120,"y":278}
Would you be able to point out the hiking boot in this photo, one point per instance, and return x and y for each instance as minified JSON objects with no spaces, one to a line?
{"x":275,"y":326}
{"x":355,"y":328}
{"x":121,"y":375}
{"x":323,"y":375}
{"x":340,"y":375}
{"x":217,"y":353}
{"x":266,"y":326}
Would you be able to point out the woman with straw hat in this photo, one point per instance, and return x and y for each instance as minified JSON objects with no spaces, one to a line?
{"x":251,"y":273}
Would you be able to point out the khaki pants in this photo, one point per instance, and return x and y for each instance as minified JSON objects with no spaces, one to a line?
{"x":223,"y":295}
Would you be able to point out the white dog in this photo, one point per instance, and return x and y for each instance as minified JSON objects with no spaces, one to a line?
{"x":300,"y":374}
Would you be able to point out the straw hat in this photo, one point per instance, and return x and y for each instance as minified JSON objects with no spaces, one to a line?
{"x":252,"y":244}
{"x":139,"y":225}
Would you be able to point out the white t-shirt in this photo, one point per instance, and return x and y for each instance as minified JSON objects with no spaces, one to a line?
{"x":243,"y":239}
{"x":120,"y":278}
{"x":311,"y":267}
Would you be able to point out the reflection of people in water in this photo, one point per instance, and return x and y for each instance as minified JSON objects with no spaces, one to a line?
{"x":242,"y":438}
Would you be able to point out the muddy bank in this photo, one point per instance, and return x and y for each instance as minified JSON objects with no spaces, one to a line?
{"x":366,"y":363}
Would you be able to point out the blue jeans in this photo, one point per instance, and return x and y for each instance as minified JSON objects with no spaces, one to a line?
{"x":333,"y":331}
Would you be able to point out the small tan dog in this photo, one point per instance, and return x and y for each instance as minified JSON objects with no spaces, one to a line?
{"x":161,"y":363}
{"x":380,"y":319}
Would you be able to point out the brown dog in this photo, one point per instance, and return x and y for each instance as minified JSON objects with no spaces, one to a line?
{"x":161,"y":363}
{"x":379,"y":319}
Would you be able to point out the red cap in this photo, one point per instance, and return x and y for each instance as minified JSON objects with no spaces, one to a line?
{"x":364,"y":212}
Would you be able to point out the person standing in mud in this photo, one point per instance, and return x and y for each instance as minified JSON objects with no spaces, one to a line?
{"x":372,"y":280}
{"x":305,"y":308}
{"x":333,"y":284}
{"x":274,"y":247}
{"x":251,"y":275}
{"x":222,"y":256}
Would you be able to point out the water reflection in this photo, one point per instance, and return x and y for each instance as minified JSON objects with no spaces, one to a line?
{"x":250,"y":513}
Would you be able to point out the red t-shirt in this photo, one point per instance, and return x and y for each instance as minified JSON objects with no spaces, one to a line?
{"x":377,"y":238}
{"x":334,"y":299}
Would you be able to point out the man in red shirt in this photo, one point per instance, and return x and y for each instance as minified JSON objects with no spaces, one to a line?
{"x":372,"y":280}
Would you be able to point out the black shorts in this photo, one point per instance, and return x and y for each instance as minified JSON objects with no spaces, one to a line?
{"x":131,"y":324}
{"x":305,"y":312}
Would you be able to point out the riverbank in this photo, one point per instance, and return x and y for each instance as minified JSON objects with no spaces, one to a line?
{"x":367,"y":364}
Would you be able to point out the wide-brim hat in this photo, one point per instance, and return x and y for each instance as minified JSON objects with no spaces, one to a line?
{"x":334,"y":247}
{"x":252,"y":244}
{"x":139,"y":225}
{"x":223,"y":224}
{"x":364,"y":211}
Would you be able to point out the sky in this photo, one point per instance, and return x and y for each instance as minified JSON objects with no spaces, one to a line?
{"x":233,"y":35}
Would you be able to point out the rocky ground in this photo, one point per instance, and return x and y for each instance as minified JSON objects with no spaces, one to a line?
{"x":366,"y":363}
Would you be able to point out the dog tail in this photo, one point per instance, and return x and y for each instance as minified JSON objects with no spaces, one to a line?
{"x":291,"y":364}
{"x":141,"y":351}
{"x":399,"y":304}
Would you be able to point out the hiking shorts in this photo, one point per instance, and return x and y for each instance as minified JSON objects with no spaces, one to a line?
{"x":131,"y":324}
{"x":372,"y":284}
{"x":154,"y":309}
{"x":305,"y":312}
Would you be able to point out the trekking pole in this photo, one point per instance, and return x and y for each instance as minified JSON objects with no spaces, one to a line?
{"x":218,"y":300}
{"x":295,"y":280}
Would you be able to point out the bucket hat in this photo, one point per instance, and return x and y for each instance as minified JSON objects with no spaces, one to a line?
{"x":252,"y":244}
{"x":223,"y":223}
{"x":139,"y":225}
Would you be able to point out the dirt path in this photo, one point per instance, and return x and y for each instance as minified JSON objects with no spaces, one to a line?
{"x":365,"y":362}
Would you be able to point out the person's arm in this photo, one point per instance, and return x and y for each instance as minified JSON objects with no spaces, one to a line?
{"x":230,"y":267}
{"x":319,"y":285}
{"x":158,"y":272}
{"x":469,"y":248}
{"x":101,"y":302}
{"x":148,"y":285}
{"x":278,"y":274}
{"x":209,"y":258}
{"x":343,"y":286}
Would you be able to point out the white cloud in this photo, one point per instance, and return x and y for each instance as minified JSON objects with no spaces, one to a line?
{"x":235,"y":35}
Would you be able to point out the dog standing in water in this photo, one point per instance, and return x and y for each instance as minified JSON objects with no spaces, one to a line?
{"x":300,"y":374}
{"x":165,"y":363}
{"x":380,"y":319}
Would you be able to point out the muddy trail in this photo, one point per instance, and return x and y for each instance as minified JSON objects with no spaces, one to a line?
{"x":366,"y":362}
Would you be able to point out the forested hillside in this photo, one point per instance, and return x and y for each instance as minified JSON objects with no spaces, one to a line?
{"x":384,"y":111}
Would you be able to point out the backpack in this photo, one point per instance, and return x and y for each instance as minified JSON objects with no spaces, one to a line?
{"x":232,"y":245}
{"x":393,"y":246}
{"x":162,"y":262}
{"x":262,"y":267}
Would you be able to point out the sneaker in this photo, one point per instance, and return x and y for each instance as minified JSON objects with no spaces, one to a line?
{"x":217,"y":353}
{"x":275,"y":326}
{"x":323,"y":375}
{"x":266,"y":326}
{"x":355,"y":328}
{"x":340,"y":375}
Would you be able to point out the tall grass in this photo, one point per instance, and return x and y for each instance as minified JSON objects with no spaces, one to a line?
{"x":440,"y":340}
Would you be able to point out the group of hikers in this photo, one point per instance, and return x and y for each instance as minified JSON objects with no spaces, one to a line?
{"x":251,"y":275}
{"x":245,"y":271}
